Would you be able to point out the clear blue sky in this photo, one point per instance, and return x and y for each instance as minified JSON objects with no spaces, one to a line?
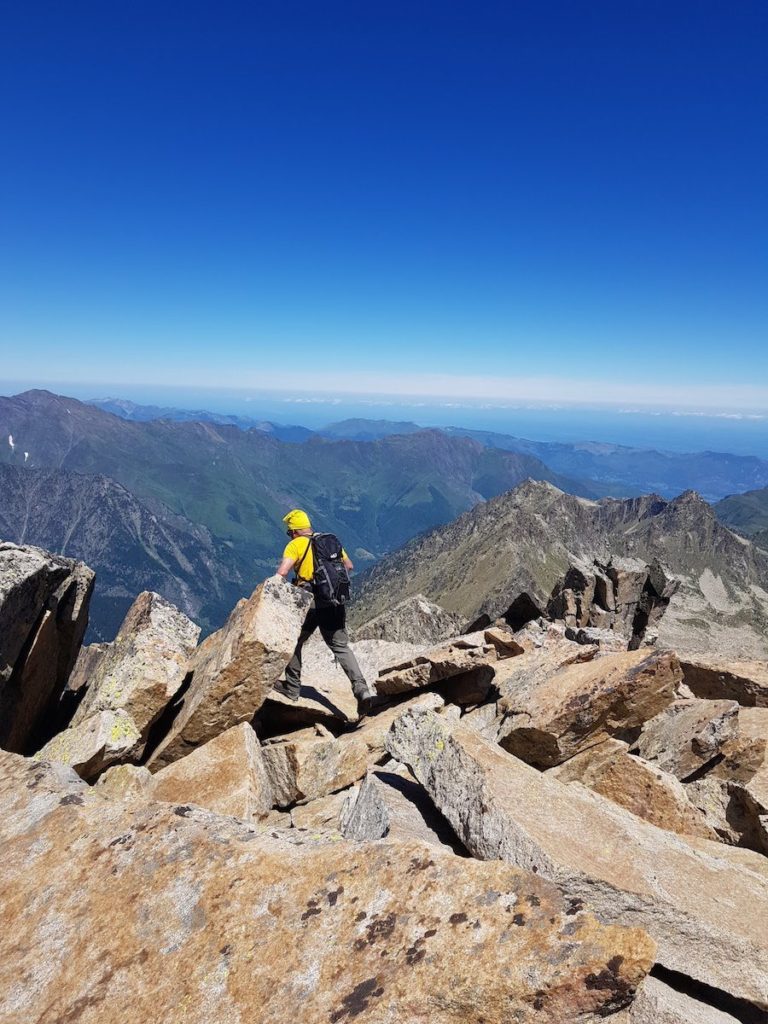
{"x":212,"y":193}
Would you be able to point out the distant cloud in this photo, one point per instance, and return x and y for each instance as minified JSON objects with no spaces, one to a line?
{"x":451,"y":391}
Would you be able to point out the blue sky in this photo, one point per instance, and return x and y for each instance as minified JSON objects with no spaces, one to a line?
{"x":551,"y":201}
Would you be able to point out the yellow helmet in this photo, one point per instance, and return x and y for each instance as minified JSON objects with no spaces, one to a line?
{"x":297,"y":519}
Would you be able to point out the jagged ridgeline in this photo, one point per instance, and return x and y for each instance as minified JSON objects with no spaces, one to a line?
{"x":563,"y":823}
{"x":508,"y":557}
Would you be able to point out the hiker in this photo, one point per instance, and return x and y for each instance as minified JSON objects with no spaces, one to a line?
{"x":328,"y":612}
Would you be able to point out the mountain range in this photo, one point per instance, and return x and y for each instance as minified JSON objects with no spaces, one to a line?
{"x":618,"y":470}
{"x":192,"y":508}
{"x":235,"y":485}
{"x":521,"y":543}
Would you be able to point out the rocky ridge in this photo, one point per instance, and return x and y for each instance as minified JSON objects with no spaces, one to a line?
{"x":528,"y":827}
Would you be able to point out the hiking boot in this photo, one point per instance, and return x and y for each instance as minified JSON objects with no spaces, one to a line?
{"x":284,"y":690}
{"x":365,"y":705}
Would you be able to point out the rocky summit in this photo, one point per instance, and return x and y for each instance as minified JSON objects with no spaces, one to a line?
{"x":550,"y":815}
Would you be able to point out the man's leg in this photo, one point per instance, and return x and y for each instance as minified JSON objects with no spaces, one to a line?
{"x":293,"y":668}
{"x":332,"y":622}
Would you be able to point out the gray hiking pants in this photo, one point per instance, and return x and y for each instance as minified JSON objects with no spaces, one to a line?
{"x":332,"y":625}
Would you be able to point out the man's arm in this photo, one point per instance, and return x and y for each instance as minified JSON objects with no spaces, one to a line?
{"x":286,"y":566}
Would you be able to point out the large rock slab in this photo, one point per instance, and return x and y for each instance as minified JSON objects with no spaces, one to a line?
{"x":709,"y":918}
{"x":43,"y":617}
{"x":549,"y":717}
{"x":227,"y":775}
{"x":105,"y":738}
{"x":688,"y":735}
{"x":435,"y":665}
{"x":717,"y":679}
{"x":645,"y":790}
{"x":144,"y":667}
{"x":136,"y":914}
{"x":234,"y":669}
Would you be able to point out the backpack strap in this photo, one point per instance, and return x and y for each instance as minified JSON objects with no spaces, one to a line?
{"x":297,"y":568}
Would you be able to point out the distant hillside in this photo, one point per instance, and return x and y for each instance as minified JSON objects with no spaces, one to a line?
{"x":144,"y":413}
{"x":131,"y":547}
{"x":368,"y":430}
{"x":523,"y":541}
{"x":747,"y":513}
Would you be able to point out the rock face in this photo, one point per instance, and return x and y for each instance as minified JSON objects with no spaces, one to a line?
{"x":232,"y":925}
{"x":234,"y":670}
{"x":226,"y":775}
{"x":391,"y":803}
{"x":608,"y":769}
{"x":715,"y":679}
{"x":709,"y":918}
{"x":413,"y":621}
{"x":144,"y":667}
{"x":549,"y":718}
{"x":43,"y":616}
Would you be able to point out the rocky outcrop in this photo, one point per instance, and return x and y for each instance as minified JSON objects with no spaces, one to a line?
{"x":641,"y":787}
{"x":229,"y":924}
{"x":234,"y":669}
{"x":625,"y":596}
{"x":733,"y":794}
{"x":125,"y":686}
{"x":710,"y":919}
{"x":550,"y":717}
{"x":43,"y":616}
{"x":390,"y":803}
{"x":505,"y":557}
{"x":413,"y":621}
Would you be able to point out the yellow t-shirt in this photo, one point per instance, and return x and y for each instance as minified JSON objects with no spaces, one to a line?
{"x":295,"y":549}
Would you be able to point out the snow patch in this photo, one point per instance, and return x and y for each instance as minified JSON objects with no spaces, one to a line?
{"x":11,"y":442}
{"x":26,"y":456}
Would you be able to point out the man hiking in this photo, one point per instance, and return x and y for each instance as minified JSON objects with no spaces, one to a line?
{"x":328,"y":612}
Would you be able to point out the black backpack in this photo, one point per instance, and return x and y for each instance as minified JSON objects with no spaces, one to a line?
{"x":330,"y":580}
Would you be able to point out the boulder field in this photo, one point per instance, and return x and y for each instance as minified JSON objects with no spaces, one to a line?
{"x":530,"y":826}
